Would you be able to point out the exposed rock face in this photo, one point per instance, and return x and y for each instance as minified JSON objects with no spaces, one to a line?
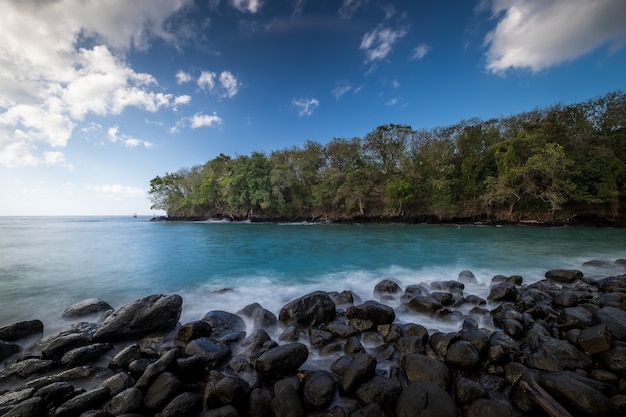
{"x":155,"y":313}
{"x":311,"y":309}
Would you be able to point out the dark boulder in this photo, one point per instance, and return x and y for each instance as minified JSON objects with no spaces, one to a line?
{"x":260,"y":403}
{"x":153,"y":370}
{"x":152,"y":314}
{"x":26,"y":368}
{"x":318,"y":389}
{"x":229,"y":391}
{"x":565,"y":276}
{"x":503,"y":292}
{"x":467,"y":277}
{"x":311,"y":309}
{"x":615,"y":320}
{"x":462,"y":355}
{"x":424,"y":304}
{"x":488,"y":408}
{"x":574,"y":318}
{"x":613,"y":359}
{"x":84,"y":354}
{"x":421,"y":368}
{"x":595,"y":339}
{"x":467,"y":390}
{"x":32,"y":407}
{"x":162,"y":390}
{"x":342,"y":330}
{"x":225,"y":411}
{"x":87,"y":307}
{"x":353,"y":371}
{"x":286,"y":401}
{"x":83,"y":402}
{"x":55,"y":393}
{"x":187,"y":404}
{"x":387,"y":287}
{"x":372,"y":310}
{"x":8,"y":349}
{"x":212,"y":352}
{"x":407,"y":345}
{"x":127,"y":355}
{"x":379,"y":390}
{"x":223,"y":322}
{"x":261,"y":317}
{"x":125,"y":402}
{"x":118,"y":382}
{"x":193,"y":330}
{"x":20,"y":330}
{"x":424,"y":399}
{"x":577,"y":396}
{"x":282,"y":360}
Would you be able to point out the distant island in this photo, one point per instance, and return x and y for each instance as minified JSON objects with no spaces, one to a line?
{"x":563,"y":164}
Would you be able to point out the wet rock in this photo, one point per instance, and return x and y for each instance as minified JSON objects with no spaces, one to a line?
{"x":467,"y":391}
{"x":479,"y":338}
{"x":565,"y":299}
{"x":467,"y":277}
{"x":118,"y":382}
{"x":421,"y":368}
{"x":550,"y":354}
{"x":408,"y":345}
{"x":387,"y":287}
{"x":87,"y":307}
{"x":32,"y":407}
{"x":462,"y":355}
{"x":55,"y":393}
{"x":503,"y":292}
{"x":75,"y":374}
{"x":379,"y":390}
{"x":125,"y":402}
{"x":353,"y":371}
{"x":424,"y":399}
{"x":127,"y":355}
{"x":84,"y":354}
{"x":15,"y":397}
{"x":577,"y":396}
{"x":83,"y":402}
{"x":261,"y":318}
{"x":162,"y":390}
{"x":451,"y":286}
{"x":229,"y":391}
{"x":152,"y":314}
{"x":353,"y":346}
{"x":212,"y":352}
{"x":488,"y":408}
{"x":187,"y":404}
{"x":282,"y":360}
{"x":370,"y":410}
{"x":318,"y":389}
{"x":335,"y":412}
{"x":424,"y":304}
{"x":286,"y":401}
{"x":255,"y":344}
{"x":20,"y":330}
{"x":56,"y":346}
{"x":290,"y":334}
{"x":372,"y":310}
{"x":193,"y":330}
{"x":167,"y":360}
{"x":222,"y":323}
{"x":574,"y":318}
{"x":440,"y":341}
{"x":565,"y":276}
{"x":225,"y":411}
{"x":8,"y":349}
{"x":614,"y":359}
{"x":342,"y":330}
{"x":362,"y":325}
{"x":344,"y":297}
{"x":615,"y":320}
{"x":311,"y":309}
{"x":260,"y":403}
{"x":27,"y":368}
{"x":612,"y":284}
{"x":595,"y":339}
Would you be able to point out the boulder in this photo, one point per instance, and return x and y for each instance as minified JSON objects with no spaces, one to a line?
{"x":261,"y":317}
{"x":84,"y":354}
{"x":565,"y":276}
{"x":83,"y":402}
{"x":260,"y":403}
{"x":87,"y":307}
{"x":229,"y":391}
{"x":467,"y":390}
{"x":225,"y":411}
{"x":118,"y":382}
{"x":467,"y":277}
{"x":424,"y":304}
{"x":424,"y":399}
{"x":223,"y":323}
{"x":503,"y":292}
{"x":125,"y":402}
{"x":55,"y":393}
{"x":574,"y":318}
{"x":282,"y":360}
{"x":20,"y":330}
{"x":379,"y":390}
{"x":212,"y":352}
{"x":311,"y":309}
{"x":193,"y":330}
{"x":286,"y":401}
{"x":8,"y":349}
{"x":615,"y":320}
{"x":387,"y":287}
{"x":613,"y":359}
{"x":152,"y":314}
{"x":32,"y":407}
{"x":162,"y":390}
{"x":372,"y":310}
{"x":488,"y":408}
{"x":353,"y":371}
{"x":462,"y":355}
{"x":576,"y":396}
{"x":595,"y":339}
{"x":187,"y":404}
{"x":318,"y":390}
{"x":421,"y":368}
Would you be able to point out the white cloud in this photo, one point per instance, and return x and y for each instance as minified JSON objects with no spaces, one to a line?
{"x":349,"y":8}
{"x":392,"y":102}
{"x":305,"y":106}
{"x":49,"y":83}
{"x":539,"y":34}
{"x":182,"y":77}
{"x":251,"y":6}
{"x":128,"y":141}
{"x":225,"y":85}
{"x":117,"y":189}
{"x":341,"y":88}
{"x":202,"y":120}
{"x":378,"y":43}
{"x":420,"y":51}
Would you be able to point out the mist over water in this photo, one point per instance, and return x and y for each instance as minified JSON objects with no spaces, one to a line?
{"x":50,"y":263}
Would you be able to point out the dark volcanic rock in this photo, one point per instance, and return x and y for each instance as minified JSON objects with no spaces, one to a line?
{"x":380,"y":390}
{"x":286,"y":402}
{"x":261,"y":317}
{"x":613,"y":359}
{"x":424,"y":399}
{"x":565,"y":276}
{"x":577,"y":396}
{"x":615,"y":320}
{"x":318,"y":389}
{"x":282,"y":360}
{"x":503,"y":292}
{"x":20,"y":330}
{"x":488,"y":408}
{"x":387,"y":287}
{"x":372,"y":310}
{"x":187,"y":404}
{"x":463,"y":355}
{"x":162,"y":390}
{"x":86,"y":308}
{"x":353,"y":371}
{"x":467,"y":391}
{"x":155,"y":313}
{"x":467,"y":277}
{"x":421,"y":368}
{"x":193,"y":330}
{"x":223,"y":323}
{"x":84,"y":354}
{"x":212,"y":352}
{"x":125,"y":402}
{"x":83,"y":402}
{"x":32,"y":407}
{"x":229,"y":391}
{"x":595,"y":339}
{"x":311,"y":309}
{"x":8,"y":349}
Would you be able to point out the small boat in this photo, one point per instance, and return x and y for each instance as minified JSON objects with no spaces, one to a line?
{"x":135,"y":216}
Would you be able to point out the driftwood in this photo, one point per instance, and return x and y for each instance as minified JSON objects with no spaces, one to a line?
{"x":544,"y":400}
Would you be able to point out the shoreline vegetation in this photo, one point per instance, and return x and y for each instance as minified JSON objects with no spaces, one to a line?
{"x":553,"y":347}
{"x":559,"y":165}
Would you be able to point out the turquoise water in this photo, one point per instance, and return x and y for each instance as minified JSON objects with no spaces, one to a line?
{"x":49,"y":263}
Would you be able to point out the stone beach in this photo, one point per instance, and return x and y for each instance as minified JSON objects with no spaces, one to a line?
{"x":556,"y":347}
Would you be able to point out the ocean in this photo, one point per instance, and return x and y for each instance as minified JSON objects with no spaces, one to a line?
{"x":50,"y":263}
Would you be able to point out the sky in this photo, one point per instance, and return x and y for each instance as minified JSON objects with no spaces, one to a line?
{"x":97,"y":97}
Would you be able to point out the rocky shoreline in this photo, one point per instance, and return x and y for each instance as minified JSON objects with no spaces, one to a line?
{"x":555,"y":347}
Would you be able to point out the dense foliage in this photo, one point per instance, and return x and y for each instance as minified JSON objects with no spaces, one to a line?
{"x":546,"y":163}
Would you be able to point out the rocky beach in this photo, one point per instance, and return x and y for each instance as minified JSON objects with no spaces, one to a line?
{"x":555,"y":347}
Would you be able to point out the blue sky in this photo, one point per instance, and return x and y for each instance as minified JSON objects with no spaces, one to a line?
{"x":98,"y":97}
